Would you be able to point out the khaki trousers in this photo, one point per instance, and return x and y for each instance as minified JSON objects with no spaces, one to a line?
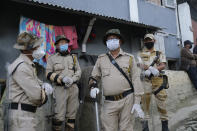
{"x":149,"y":88}
{"x":66,"y":102}
{"x":116,"y":115}
{"x":22,"y":120}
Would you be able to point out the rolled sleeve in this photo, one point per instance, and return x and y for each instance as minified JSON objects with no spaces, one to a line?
{"x":96,"y":72}
{"x":138,"y":89}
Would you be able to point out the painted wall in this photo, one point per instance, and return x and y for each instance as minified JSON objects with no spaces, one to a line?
{"x":113,"y":8}
{"x":194,"y":27}
{"x":159,"y":16}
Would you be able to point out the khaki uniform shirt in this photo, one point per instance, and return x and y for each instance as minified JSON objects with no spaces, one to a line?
{"x":148,"y":57}
{"x":112,"y":81}
{"x":24,"y":85}
{"x":63,"y":66}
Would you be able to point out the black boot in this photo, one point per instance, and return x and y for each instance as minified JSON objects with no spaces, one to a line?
{"x":70,"y":125}
{"x":56,"y":125}
{"x":145,"y":125}
{"x":165,"y":125}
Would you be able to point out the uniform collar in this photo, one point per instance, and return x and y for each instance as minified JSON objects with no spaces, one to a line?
{"x":146,"y":50}
{"x":27,"y":60}
{"x":61,"y":54}
{"x":121,"y":53}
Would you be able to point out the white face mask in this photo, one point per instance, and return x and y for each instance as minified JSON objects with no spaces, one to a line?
{"x":113,"y":44}
{"x":38,"y":54}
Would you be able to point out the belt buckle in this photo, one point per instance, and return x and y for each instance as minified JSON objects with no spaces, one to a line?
{"x":121,"y":96}
{"x":116,"y":98}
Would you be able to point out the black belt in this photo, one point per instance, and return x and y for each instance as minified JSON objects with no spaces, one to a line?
{"x":24,"y":107}
{"x":118,"y":97}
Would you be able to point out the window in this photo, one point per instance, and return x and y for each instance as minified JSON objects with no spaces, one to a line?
{"x":169,"y":3}
{"x":157,"y":2}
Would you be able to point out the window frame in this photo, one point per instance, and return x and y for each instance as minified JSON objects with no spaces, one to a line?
{"x":165,"y":3}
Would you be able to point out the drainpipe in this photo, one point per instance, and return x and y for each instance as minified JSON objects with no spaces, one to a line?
{"x":133,"y":10}
{"x":89,"y":29}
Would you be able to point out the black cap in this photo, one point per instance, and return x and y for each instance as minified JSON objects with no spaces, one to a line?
{"x":188,"y":42}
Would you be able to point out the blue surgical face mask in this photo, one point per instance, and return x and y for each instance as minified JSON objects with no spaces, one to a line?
{"x":64,"y":48}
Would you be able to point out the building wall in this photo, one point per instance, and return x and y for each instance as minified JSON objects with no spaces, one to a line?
{"x":194,"y":27}
{"x":112,"y":8}
{"x":159,"y":16}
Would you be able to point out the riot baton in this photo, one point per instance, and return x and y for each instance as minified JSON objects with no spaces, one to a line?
{"x":97,"y":114}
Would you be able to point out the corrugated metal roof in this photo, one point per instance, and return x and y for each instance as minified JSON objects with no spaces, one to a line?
{"x":114,"y":10}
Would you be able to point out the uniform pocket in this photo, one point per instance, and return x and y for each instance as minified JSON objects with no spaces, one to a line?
{"x":58,"y":67}
{"x":105,"y":72}
{"x":125,"y":68}
{"x":162,"y":95}
{"x":71,"y":67}
{"x":156,"y":81}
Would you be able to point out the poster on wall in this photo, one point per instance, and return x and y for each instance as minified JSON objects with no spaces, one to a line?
{"x":48,"y":32}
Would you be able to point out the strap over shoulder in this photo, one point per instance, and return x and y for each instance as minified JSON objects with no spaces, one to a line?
{"x":121,"y":71}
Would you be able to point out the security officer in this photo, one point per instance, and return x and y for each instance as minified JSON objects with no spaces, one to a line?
{"x":154,"y":81}
{"x":26,"y":91}
{"x":121,"y":98}
{"x":64,"y":72}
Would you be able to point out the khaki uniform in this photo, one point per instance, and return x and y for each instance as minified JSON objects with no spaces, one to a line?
{"x":116,"y":115}
{"x":152,"y":85}
{"x":66,"y":100}
{"x":24,"y":90}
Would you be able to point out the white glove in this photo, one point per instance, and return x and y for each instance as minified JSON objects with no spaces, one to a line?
{"x":154,"y":71}
{"x":147,"y":73}
{"x":48,"y":88}
{"x":94,"y":92}
{"x":138,"y":109}
{"x":67,"y":81}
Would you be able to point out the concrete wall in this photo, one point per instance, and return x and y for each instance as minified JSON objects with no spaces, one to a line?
{"x":194,"y":27}
{"x":158,"y":16}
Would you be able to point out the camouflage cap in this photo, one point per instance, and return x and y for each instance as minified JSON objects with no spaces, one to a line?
{"x":151,"y":36}
{"x":27,"y":41}
{"x":61,"y":37}
{"x":113,"y":32}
